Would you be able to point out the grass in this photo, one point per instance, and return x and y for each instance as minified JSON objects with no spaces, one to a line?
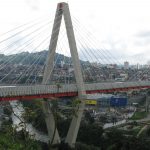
{"x":135,"y":131}
{"x":139,"y":115}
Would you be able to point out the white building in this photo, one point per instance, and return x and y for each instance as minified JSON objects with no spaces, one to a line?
{"x":126,"y":65}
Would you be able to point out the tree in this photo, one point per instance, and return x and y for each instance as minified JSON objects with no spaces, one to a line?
{"x":88,"y":117}
{"x":58,"y":87}
{"x":11,"y":138}
{"x":90,"y":134}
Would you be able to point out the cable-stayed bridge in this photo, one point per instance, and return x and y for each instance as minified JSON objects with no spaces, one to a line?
{"x":44,"y":80}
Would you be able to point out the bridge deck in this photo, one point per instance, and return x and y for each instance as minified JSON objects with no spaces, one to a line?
{"x":46,"y":91}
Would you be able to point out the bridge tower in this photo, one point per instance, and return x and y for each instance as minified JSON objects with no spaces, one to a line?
{"x":63,"y":10}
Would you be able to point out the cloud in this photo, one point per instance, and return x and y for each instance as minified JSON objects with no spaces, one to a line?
{"x":124,"y":33}
{"x":142,"y":39}
{"x":142,"y":42}
{"x":33,"y":4}
{"x":143,"y":34}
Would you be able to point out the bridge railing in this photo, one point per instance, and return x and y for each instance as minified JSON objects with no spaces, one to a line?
{"x":6,"y":91}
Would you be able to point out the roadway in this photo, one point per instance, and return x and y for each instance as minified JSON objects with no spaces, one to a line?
{"x":47,"y":91}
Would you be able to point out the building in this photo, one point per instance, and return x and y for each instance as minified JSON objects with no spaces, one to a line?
{"x":126,"y":65}
{"x":106,"y":100}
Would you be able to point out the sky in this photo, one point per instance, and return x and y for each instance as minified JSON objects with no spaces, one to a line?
{"x":121,"y":26}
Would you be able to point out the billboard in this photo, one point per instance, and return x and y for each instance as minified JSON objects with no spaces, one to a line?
{"x":118,"y":101}
{"x":90,"y":102}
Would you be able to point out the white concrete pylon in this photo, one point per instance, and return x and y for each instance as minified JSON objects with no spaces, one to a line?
{"x":49,"y":118}
{"x":75,"y":124}
{"x":63,"y":9}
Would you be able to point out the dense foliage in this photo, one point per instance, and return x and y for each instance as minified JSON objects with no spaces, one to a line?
{"x":34,"y":114}
{"x":13,"y":140}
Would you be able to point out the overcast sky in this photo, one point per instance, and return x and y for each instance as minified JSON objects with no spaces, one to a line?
{"x":122,"y":26}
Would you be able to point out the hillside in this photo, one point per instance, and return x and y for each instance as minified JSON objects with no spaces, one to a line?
{"x":26,"y":58}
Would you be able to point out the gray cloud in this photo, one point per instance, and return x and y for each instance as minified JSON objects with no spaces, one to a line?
{"x":143,"y":38}
{"x":143,"y":34}
{"x":142,"y":43}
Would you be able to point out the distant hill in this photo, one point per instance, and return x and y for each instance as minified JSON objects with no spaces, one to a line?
{"x":26,"y":58}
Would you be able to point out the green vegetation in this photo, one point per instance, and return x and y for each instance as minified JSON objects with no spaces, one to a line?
{"x":8,"y":109}
{"x":9,"y":143}
{"x":34,"y":114}
{"x":134,"y":131}
{"x":92,"y":136}
{"x":111,"y":139}
{"x":139,"y":115}
{"x":10,"y":139}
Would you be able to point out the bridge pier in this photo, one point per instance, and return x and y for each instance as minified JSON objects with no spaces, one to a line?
{"x":75,"y":124}
{"x":50,"y":123}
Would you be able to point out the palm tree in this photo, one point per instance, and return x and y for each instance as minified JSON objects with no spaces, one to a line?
{"x":58,"y":87}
